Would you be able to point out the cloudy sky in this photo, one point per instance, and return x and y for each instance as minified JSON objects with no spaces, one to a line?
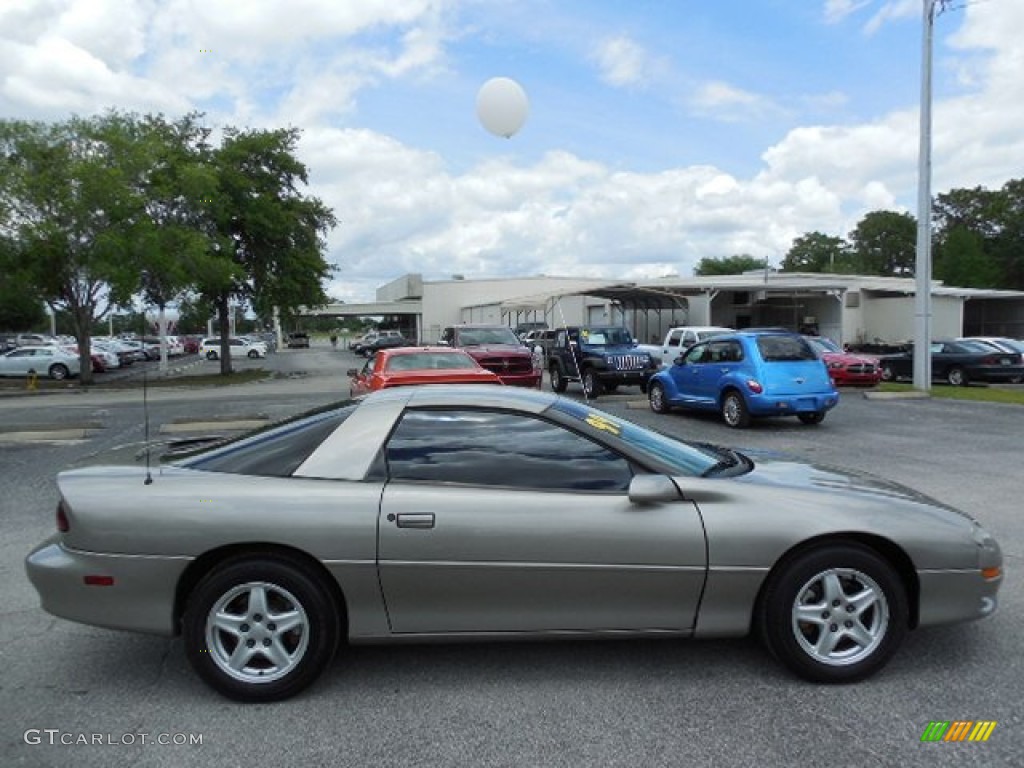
{"x":659,"y":131}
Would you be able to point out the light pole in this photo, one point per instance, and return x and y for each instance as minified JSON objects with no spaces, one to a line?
{"x":923,"y":261}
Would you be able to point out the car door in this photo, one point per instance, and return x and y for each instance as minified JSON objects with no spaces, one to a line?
{"x":17,"y":363}
{"x":501,"y":522}
{"x":690,"y":378}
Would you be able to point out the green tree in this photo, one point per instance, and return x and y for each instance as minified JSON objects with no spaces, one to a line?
{"x":21,"y":306}
{"x":817,"y":252}
{"x":271,"y":236}
{"x":961,"y":260}
{"x":729,"y":265}
{"x":885,"y":243}
{"x":65,"y":205}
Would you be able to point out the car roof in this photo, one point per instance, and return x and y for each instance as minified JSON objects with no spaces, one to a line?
{"x":468,"y":395}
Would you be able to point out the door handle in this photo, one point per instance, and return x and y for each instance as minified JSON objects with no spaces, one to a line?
{"x":416,"y":520}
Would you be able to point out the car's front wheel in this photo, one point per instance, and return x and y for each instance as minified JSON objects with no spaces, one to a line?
{"x":253,"y":354}
{"x":812,"y":418}
{"x":734,"y":410}
{"x":834,"y":615}
{"x":260,"y":629}
{"x":657,"y":398}
{"x":591,"y":384}
{"x":211,"y":355}
{"x":59,"y":371}
{"x":956,"y":376}
{"x":558,"y":382}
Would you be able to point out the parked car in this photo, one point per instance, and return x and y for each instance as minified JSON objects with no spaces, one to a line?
{"x":373,"y":339}
{"x":47,"y":362}
{"x":192,"y":344}
{"x":536,"y":516}
{"x":497,"y":349}
{"x":747,"y":374}
{"x":957,"y":363}
{"x":679,"y":339}
{"x":298,"y":340}
{"x":210,"y":348}
{"x":125,"y":355}
{"x":846,"y":369}
{"x":175,"y":346}
{"x":391,"y":340}
{"x":1001,"y":343}
{"x":540,"y":337}
{"x":600,"y":357}
{"x":409,"y":366}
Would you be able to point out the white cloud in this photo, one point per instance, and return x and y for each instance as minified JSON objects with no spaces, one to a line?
{"x":837,"y":10}
{"x":727,"y":102}
{"x":892,"y":11}
{"x":623,"y":62}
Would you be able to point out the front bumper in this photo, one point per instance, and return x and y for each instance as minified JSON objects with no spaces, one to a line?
{"x":140,"y":599}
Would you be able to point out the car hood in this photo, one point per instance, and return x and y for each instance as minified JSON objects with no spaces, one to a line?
{"x":498,"y":349}
{"x":775,"y":469}
{"x":616,"y":349}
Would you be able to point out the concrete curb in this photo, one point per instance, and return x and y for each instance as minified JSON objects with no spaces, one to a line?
{"x":914,"y":394}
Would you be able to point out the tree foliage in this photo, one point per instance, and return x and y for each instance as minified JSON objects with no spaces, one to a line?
{"x":729,"y":265}
{"x":818,"y":252}
{"x":885,"y":243}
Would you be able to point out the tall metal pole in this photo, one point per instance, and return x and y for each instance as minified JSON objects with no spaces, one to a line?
{"x":923,"y":262}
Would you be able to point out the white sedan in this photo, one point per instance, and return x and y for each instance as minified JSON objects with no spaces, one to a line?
{"x":51,"y":362}
{"x":210,"y":348}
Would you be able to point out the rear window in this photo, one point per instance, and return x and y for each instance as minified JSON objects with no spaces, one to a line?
{"x":777,"y":349}
{"x":420,"y":361}
{"x":274,"y":451}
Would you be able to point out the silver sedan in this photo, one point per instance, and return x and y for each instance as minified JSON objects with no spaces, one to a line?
{"x":45,"y":361}
{"x":463,"y":513}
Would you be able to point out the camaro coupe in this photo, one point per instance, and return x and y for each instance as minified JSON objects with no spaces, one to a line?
{"x":482,"y":512}
{"x":408,"y":366}
{"x":846,"y":368}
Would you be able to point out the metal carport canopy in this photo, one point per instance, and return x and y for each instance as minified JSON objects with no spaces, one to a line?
{"x":629,"y":294}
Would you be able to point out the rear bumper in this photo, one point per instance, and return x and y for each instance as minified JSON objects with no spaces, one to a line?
{"x":790,"y":405}
{"x":140,"y":599}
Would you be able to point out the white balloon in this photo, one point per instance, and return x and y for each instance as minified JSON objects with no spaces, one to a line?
{"x":502,"y":106}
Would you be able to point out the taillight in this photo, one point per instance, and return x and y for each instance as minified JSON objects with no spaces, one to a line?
{"x":991,"y":360}
{"x":62,"y":518}
{"x":755,"y":386}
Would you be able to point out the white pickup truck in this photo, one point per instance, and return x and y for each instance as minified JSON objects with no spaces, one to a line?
{"x":680,"y":339}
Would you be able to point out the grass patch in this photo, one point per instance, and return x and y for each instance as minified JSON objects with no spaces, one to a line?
{"x":1013,"y":395}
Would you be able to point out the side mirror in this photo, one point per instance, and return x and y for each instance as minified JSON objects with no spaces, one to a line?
{"x":651,"y":489}
{"x":352,"y":373}
{"x":679,"y":361}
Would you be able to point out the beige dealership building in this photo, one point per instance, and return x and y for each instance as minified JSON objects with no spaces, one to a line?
{"x":848,"y":308}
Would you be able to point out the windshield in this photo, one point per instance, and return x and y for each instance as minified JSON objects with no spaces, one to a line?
{"x":822,"y":345}
{"x":681,"y":458}
{"x":606,"y":336}
{"x":475,"y":337}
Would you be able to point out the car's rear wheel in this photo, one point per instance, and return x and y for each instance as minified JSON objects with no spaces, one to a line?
{"x":260,"y":629}
{"x":657,"y":398}
{"x":734,"y":410}
{"x":58,"y":371}
{"x":812,"y":418}
{"x":834,"y":615}
{"x":253,"y":354}
{"x":956,"y":376}
{"x":211,"y":355}
{"x":591,"y":384}
{"x":558,"y":382}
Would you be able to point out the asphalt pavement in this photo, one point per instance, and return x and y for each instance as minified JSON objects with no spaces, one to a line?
{"x":607,"y":703}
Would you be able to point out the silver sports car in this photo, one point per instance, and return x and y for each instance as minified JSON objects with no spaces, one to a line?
{"x":465,"y":512}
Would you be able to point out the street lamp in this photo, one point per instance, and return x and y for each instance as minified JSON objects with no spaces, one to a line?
{"x":923,"y":261}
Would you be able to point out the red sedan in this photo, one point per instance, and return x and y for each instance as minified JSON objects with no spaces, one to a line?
{"x":407,"y":366}
{"x":846,"y":369}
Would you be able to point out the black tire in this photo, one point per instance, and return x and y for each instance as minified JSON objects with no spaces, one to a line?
{"x":734,"y":410}
{"x":888,"y":374}
{"x":558,"y":381}
{"x":812,"y":418}
{"x":845,"y":582}
{"x":591,"y":384}
{"x":211,"y":355}
{"x":304,"y":651}
{"x":956,"y":376}
{"x":58,"y":372}
{"x":253,"y":354}
{"x":657,"y":398}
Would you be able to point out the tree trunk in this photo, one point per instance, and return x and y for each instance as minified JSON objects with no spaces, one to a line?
{"x":225,"y":347}
{"x":82,"y":317}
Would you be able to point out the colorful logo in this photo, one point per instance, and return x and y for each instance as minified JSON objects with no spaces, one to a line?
{"x":958,"y":730}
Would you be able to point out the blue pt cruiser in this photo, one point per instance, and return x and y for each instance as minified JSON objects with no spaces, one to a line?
{"x":747,"y":374}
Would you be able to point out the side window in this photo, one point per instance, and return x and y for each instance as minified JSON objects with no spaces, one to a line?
{"x":696,"y":353}
{"x":674,"y":337}
{"x":502,"y":450}
{"x":560,"y":339}
{"x":690,"y":338}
